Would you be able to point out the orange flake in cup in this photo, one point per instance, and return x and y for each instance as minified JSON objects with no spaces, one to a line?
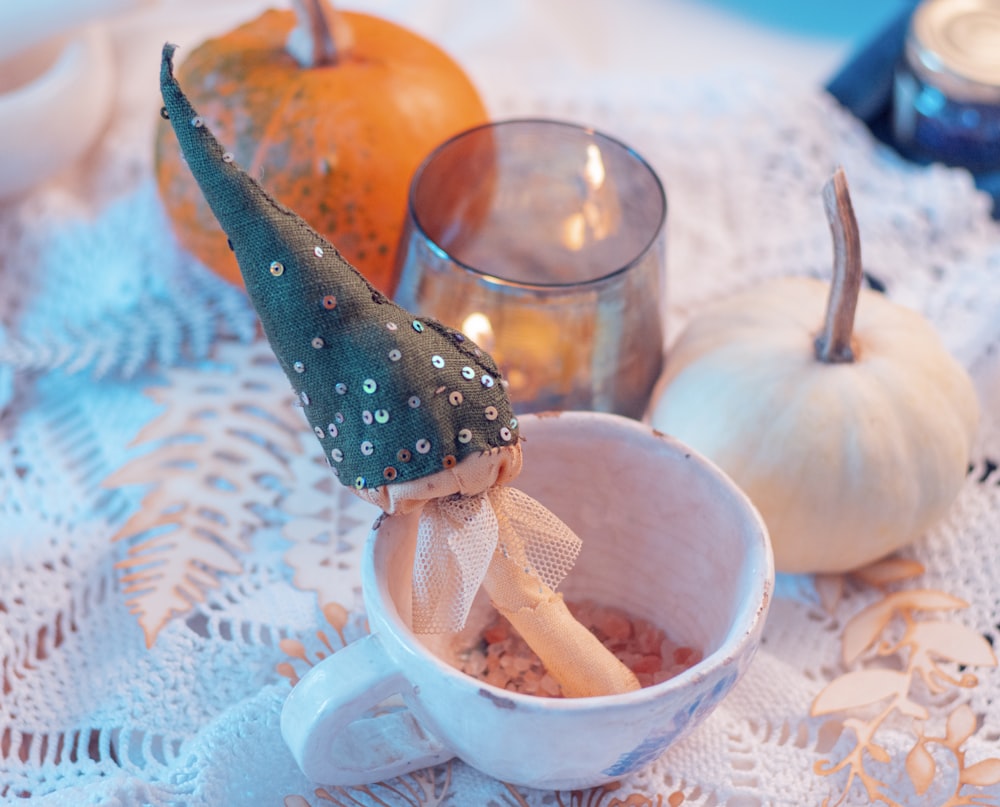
{"x":504,"y":659}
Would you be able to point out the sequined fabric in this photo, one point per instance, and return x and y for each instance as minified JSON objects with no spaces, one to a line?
{"x":391,"y":396}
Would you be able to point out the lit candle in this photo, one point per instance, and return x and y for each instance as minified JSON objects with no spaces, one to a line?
{"x":544,"y":243}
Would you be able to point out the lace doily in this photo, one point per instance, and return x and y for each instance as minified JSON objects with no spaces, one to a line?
{"x":142,"y":407}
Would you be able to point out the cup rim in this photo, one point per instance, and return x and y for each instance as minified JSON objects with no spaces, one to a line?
{"x":748,"y":621}
{"x":491,"y":278}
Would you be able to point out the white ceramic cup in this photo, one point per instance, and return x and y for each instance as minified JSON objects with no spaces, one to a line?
{"x":666,"y":536}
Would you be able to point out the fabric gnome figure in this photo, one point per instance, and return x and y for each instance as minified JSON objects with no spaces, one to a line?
{"x":409,"y":413}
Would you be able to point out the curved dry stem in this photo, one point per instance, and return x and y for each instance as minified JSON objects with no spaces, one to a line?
{"x":834,"y":343}
{"x":311,"y":42}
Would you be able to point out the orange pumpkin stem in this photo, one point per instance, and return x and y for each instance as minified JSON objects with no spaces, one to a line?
{"x":311,"y":42}
{"x":834,"y":343}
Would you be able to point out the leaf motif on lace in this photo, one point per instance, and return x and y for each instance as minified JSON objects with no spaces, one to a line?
{"x":96,"y":304}
{"x":337,"y":617}
{"x":211,"y":468}
{"x":904,"y":653}
{"x":613,"y":795}
{"x":430,"y":787}
{"x":324,"y":520}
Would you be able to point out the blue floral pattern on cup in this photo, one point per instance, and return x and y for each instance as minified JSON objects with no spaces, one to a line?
{"x":656,"y":743}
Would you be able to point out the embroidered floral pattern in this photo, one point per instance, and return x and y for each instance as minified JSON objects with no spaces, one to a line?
{"x":906,"y":654}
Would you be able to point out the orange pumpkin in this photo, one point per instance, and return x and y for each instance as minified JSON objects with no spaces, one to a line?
{"x":336,"y":139}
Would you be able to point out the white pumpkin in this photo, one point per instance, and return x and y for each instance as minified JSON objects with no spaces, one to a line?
{"x":851,"y":437}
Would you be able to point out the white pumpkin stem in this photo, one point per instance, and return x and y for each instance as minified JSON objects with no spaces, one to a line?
{"x":833,"y":345}
{"x":311,"y":42}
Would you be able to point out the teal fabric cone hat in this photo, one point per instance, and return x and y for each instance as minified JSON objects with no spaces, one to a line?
{"x":391,"y":396}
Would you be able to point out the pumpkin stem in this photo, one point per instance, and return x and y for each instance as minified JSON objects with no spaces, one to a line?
{"x":311,"y":42}
{"x":833,"y":345}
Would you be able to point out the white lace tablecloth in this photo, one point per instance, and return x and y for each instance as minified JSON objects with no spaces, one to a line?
{"x":135,"y":402}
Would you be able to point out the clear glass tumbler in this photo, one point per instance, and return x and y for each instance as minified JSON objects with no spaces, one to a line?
{"x":544,"y":242}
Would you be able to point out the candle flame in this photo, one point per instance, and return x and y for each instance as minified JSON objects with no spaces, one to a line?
{"x":574,"y":234}
{"x":594,"y":170}
{"x":478,"y":328}
{"x":590,"y":220}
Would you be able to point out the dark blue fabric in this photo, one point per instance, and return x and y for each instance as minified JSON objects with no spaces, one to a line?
{"x":864,"y":86}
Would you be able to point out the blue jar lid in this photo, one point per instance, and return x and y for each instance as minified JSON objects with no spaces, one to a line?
{"x":954,"y":45}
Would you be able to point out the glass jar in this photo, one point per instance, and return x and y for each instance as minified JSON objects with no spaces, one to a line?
{"x":946,"y":95}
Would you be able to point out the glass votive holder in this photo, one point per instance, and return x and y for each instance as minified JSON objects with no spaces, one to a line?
{"x":544,"y":242}
{"x":946,"y":91}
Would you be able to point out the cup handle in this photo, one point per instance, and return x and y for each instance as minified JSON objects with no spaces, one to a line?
{"x":334,"y":741}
